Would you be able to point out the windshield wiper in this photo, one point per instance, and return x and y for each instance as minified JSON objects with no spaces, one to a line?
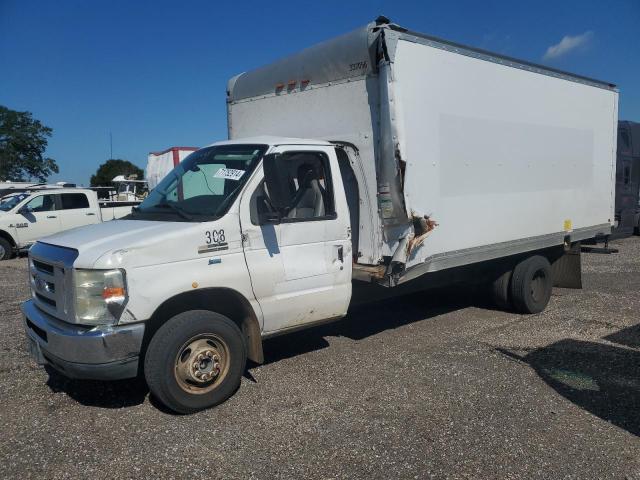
{"x":176,"y":209}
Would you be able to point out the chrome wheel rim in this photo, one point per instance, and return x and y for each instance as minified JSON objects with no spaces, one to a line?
{"x":202,"y":363}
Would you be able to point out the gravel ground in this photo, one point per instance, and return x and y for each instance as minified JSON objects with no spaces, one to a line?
{"x":430,"y":385}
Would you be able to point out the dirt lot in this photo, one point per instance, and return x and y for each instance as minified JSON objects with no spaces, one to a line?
{"x":431,"y":385}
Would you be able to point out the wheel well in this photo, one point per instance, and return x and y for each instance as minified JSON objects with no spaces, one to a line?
{"x":225,"y":301}
{"x":8,"y":238}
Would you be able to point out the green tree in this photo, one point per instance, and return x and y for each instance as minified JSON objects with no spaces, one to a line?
{"x":23,"y":141}
{"x":112,"y":168}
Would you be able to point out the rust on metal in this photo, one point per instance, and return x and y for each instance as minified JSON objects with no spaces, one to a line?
{"x":422,"y":228}
{"x":368,"y":273}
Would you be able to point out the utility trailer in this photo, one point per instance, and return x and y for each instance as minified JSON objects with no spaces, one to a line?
{"x":427,"y":163}
{"x":627,"y":202}
{"x":505,"y":156}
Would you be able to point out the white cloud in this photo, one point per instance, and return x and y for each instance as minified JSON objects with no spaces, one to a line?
{"x":568,"y":44}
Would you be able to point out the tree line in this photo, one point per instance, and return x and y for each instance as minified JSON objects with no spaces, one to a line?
{"x":23,"y":143}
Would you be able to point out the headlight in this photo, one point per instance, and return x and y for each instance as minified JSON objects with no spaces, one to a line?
{"x":100,"y":296}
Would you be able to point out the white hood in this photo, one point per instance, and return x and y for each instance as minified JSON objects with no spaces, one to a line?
{"x":94,"y":241}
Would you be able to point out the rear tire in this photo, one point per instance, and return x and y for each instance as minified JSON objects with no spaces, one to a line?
{"x":531,"y":285}
{"x":6,"y":249}
{"x":195,"y":361}
{"x":499,"y":290}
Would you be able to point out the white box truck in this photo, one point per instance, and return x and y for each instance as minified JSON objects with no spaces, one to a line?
{"x":425,"y":162}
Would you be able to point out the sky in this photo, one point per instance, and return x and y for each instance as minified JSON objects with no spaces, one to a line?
{"x":153,"y":73}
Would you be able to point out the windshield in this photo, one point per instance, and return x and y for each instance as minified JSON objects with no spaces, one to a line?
{"x":10,"y":201}
{"x":203,"y":186}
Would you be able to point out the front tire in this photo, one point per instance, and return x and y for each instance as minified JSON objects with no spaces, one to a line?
{"x":195,"y":361}
{"x":531,"y":285}
{"x":6,"y":249}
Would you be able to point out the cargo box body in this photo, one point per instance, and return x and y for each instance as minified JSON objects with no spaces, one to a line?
{"x":505,"y":156}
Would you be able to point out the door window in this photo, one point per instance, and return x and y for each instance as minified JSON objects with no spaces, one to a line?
{"x":42,"y":203}
{"x":72,"y":201}
{"x":310,"y":187}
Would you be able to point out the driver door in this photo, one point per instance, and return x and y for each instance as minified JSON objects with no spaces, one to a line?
{"x":38,"y":218}
{"x":300,"y":268}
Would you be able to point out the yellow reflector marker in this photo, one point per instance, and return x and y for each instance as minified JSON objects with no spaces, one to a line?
{"x":568,"y":226}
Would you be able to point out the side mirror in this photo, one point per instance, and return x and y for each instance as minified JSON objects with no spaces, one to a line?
{"x":25,"y":210}
{"x":274,"y":166}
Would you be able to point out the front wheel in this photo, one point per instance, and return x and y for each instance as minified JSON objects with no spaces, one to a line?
{"x":195,"y":361}
{"x":6,"y":249}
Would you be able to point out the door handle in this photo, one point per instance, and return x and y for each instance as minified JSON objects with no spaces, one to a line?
{"x":89,"y":213}
{"x":341,"y":253}
{"x":51,"y":216}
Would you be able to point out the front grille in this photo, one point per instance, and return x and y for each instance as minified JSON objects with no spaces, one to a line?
{"x":43,"y":267}
{"x":51,"y":279}
{"x":46,"y":300}
{"x":47,"y":282}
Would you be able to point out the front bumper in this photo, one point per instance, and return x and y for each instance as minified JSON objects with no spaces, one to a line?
{"x":98,"y":353}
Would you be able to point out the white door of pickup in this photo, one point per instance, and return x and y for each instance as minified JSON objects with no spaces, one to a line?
{"x":76,"y":211}
{"x":38,"y":218}
{"x":301,"y":268}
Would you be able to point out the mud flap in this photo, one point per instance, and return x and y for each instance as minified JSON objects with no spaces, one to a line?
{"x":567,"y":269}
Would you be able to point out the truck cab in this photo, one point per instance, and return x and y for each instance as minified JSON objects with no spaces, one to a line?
{"x":28,"y":216}
{"x":256,"y":232}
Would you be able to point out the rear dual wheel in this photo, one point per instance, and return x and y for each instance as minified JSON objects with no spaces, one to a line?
{"x":195,"y":361}
{"x":526,"y":288}
{"x":531,"y":285}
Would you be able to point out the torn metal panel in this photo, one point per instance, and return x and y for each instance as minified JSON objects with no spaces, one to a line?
{"x":368,"y":273}
{"x":390,"y":193}
{"x":422,"y":227}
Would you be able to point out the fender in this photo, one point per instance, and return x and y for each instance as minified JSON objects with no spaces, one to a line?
{"x":7,"y":236}
{"x":225,"y":301}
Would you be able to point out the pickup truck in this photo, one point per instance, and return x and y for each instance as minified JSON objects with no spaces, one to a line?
{"x":28,"y":216}
{"x":397,"y":162}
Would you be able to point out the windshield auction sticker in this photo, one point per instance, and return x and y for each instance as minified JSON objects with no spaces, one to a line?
{"x":229,"y":173}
